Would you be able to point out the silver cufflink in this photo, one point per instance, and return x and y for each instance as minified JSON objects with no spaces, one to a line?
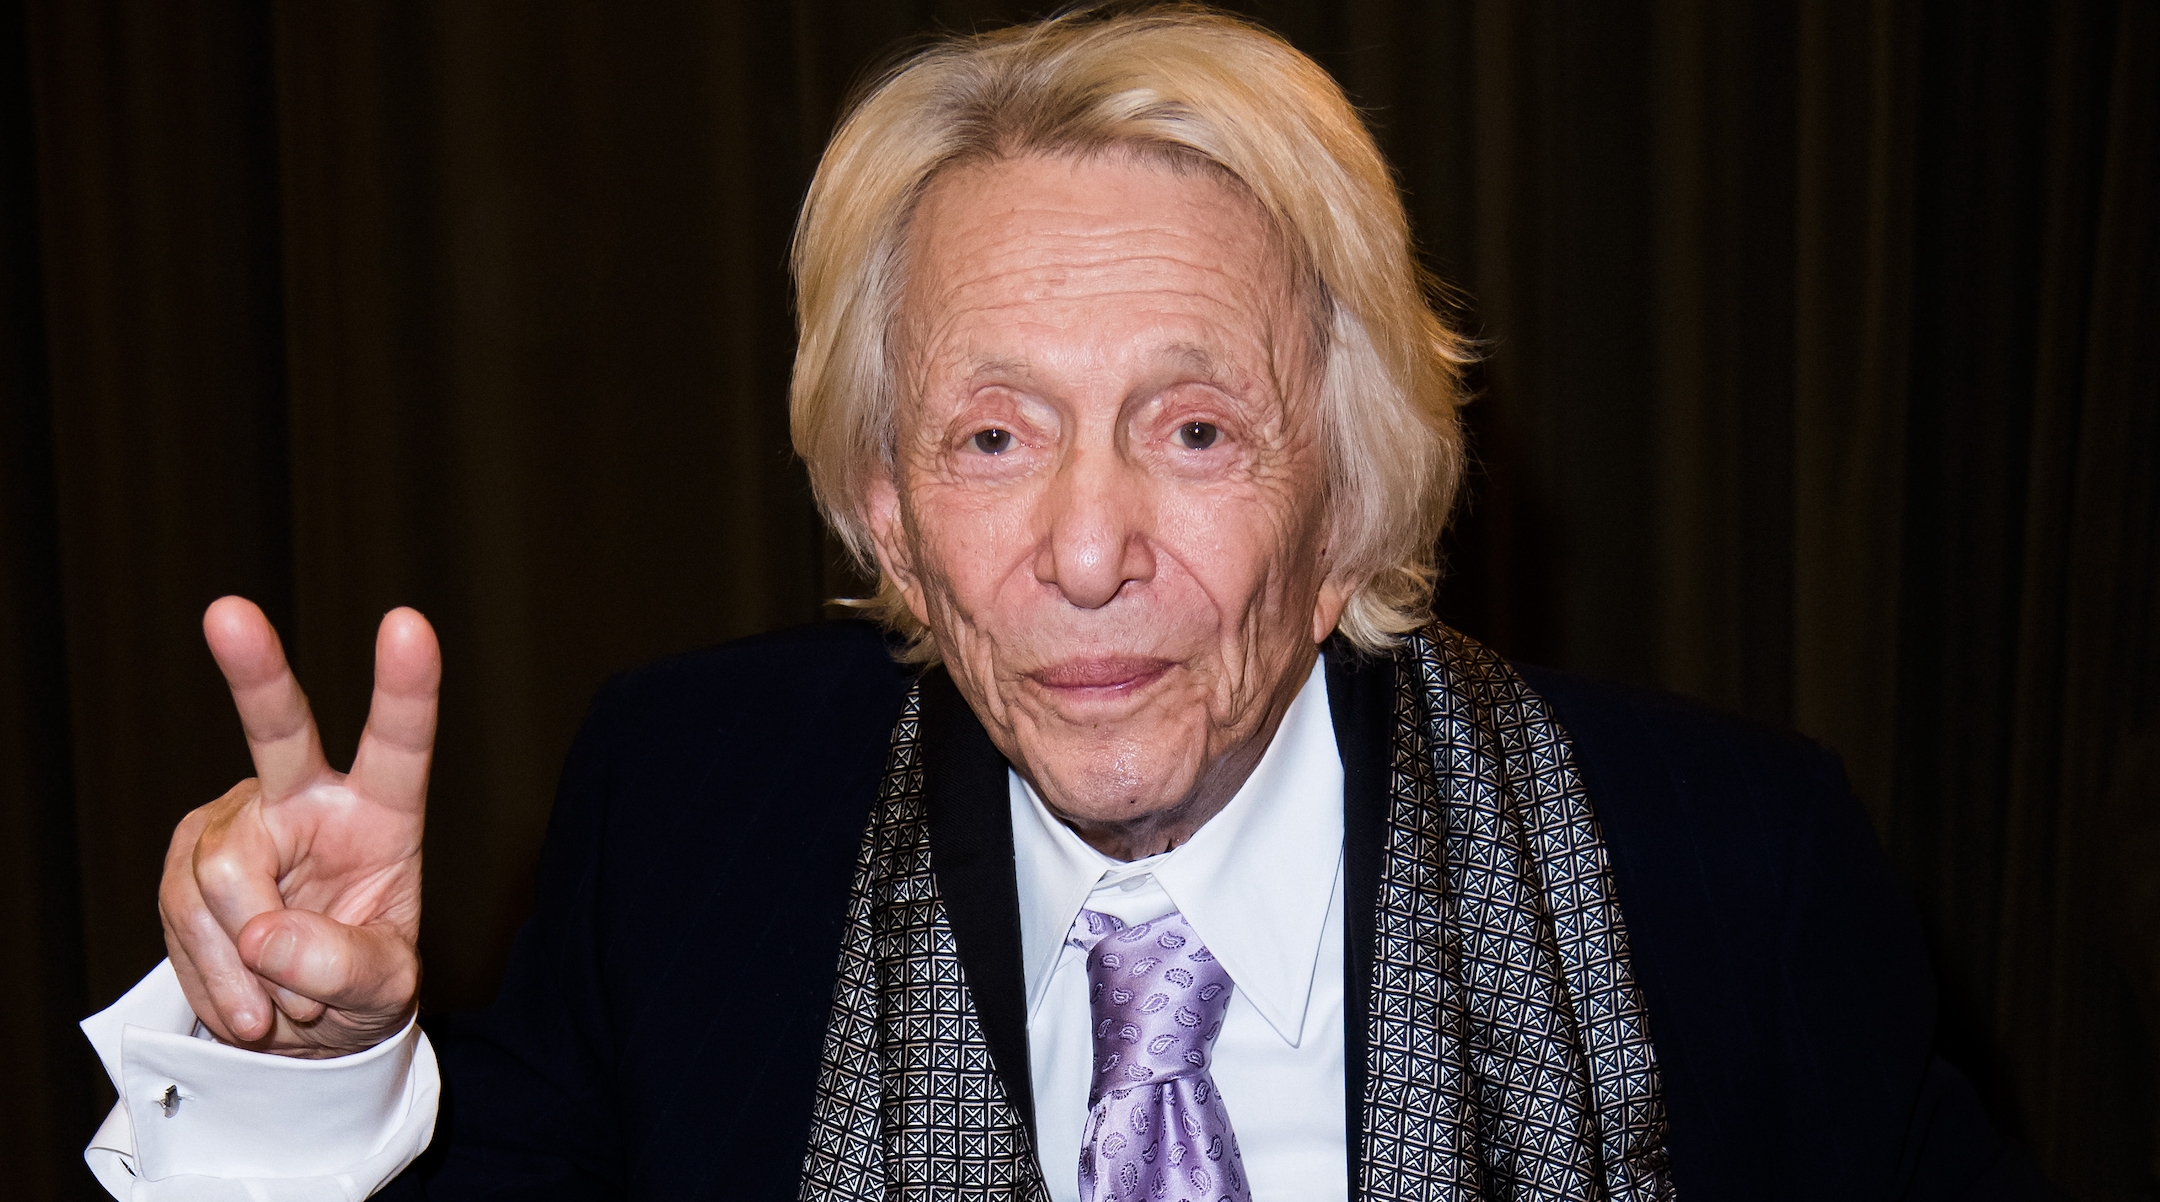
{"x":169,"y":1101}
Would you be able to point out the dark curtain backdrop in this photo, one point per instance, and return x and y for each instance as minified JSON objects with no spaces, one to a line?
{"x":1822,"y":385}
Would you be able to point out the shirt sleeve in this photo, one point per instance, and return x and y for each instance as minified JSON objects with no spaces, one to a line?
{"x":200,"y":1121}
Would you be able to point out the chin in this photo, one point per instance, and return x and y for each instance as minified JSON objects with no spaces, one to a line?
{"x":1118,"y":775}
{"x":1108,"y":804}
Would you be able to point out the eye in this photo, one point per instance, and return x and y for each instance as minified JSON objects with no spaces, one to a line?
{"x":1196,"y":436}
{"x":993,"y":442}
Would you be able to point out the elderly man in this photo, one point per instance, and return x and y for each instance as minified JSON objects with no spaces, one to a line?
{"x":1160,"y":847}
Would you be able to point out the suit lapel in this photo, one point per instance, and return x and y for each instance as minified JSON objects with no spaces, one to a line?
{"x":971,"y":852}
{"x":1361,"y":699}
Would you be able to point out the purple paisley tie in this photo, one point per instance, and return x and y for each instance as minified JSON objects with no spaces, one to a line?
{"x":1156,"y":1130}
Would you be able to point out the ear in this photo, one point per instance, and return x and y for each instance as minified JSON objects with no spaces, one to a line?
{"x":1336,"y":589}
{"x":889,"y":540}
{"x":1335,"y":594}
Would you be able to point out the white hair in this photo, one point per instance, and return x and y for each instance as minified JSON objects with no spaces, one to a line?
{"x":1191,"y":85}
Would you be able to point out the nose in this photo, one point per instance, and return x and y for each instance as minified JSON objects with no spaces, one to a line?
{"x":1096,"y":542}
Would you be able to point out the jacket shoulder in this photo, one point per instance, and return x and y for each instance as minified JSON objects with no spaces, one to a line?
{"x":829,"y":681}
{"x":687,"y":758}
{"x":1606,"y":720}
{"x":1782,"y":967}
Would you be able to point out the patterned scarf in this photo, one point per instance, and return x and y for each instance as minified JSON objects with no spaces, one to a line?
{"x":1508,"y":1053}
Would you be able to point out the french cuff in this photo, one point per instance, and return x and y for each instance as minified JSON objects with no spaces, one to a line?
{"x":199,"y":1121}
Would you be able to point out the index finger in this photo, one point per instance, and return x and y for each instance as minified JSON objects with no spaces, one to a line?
{"x":396,"y":749}
{"x":274,"y":712}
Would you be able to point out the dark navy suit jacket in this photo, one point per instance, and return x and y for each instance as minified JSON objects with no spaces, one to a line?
{"x":658,"y":1029}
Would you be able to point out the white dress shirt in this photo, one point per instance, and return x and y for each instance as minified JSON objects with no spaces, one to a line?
{"x":198,"y":1121}
{"x":1261,"y":884}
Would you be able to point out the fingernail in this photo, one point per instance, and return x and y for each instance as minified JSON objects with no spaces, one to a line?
{"x":276,"y":954}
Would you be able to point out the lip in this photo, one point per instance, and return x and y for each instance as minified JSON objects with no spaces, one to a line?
{"x":1105,"y":676}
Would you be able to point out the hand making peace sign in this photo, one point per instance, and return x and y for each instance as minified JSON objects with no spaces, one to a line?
{"x":291,"y":904}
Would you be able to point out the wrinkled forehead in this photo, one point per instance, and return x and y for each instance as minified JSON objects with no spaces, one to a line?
{"x":1161,"y":258}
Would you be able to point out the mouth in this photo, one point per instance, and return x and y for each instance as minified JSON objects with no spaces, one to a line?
{"x":1105,"y":677}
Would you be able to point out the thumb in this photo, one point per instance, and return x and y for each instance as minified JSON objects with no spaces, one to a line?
{"x":365,"y":971}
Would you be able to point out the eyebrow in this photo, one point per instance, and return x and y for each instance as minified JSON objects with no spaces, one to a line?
{"x":1196,"y":359}
{"x":1191,"y":356}
{"x":999,"y":367}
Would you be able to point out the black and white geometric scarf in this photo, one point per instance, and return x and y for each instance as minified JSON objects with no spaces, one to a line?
{"x":1508,"y":1052}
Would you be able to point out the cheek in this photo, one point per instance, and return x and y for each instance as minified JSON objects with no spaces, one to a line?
{"x":1242,"y":542}
{"x":968,"y":541}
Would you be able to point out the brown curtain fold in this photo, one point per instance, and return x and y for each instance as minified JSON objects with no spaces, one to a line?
{"x":1821,"y":384}
{"x":51,"y":1085}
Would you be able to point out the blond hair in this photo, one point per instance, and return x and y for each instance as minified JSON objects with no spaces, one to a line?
{"x":1186,"y":83}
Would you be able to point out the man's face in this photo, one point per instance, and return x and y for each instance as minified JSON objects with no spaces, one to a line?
{"x":1109,"y":497}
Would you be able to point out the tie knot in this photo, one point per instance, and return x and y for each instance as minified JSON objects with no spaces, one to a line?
{"x":1157,"y":997}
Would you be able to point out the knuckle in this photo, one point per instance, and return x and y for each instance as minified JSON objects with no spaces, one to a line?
{"x":219,"y":814}
{"x":170,"y":908}
{"x":187,"y":835}
{"x":180,"y":906}
{"x":207,"y":826}
{"x":220,"y":872}
{"x":240,"y":794}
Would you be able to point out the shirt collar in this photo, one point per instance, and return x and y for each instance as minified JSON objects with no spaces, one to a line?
{"x":1256,"y":881}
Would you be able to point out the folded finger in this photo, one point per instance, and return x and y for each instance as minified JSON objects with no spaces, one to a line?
{"x":223,"y":991}
{"x":299,"y":1008}
{"x":274,"y":712}
{"x":364,"y":970}
{"x":234,"y":863}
